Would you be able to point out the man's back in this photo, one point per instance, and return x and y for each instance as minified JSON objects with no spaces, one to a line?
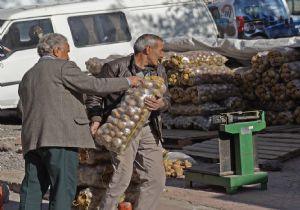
{"x":50,"y":106}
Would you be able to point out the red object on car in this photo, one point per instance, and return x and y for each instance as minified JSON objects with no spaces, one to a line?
{"x":240,"y":23}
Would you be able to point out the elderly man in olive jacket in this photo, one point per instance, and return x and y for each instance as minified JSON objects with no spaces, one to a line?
{"x":55,"y":124}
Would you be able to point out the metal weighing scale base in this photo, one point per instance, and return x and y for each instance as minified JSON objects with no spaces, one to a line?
{"x":230,"y":182}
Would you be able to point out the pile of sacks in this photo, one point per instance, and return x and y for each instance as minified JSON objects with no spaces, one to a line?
{"x":200,"y":85}
{"x":272,"y":84}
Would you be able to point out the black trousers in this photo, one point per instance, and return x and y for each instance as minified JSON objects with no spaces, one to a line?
{"x":54,"y":167}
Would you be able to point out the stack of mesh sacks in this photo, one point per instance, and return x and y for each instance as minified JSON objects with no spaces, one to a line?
{"x":94,"y":173}
{"x":272,"y":83}
{"x":123,"y":125}
{"x":200,"y":85}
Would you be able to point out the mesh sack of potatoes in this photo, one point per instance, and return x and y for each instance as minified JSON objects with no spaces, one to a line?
{"x":260,"y":61}
{"x":248,"y":93}
{"x":211,"y":92}
{"x":198,"y":58}
{"x":297,"y":115}
{"x":279,"y":92}
{"x":263,"y":92}
{"x":88,"y":198}
{"x":270,"y":77}
{"x":278,"y":106}
{"x":279,"y":118}
{"x":128,"y":118}
{"x":180,"y":61}
{"x":284,"y":118}
{"x":290,"y":71}
{"x":94,"y":65}
{"x":251,"y":78}
{"x":281,"y":55}
{"x":293,"y":89}
{"x":93,"y":156}
{"x":238,"y":74}
{"x":93,"y":175}
{"x":169,"y":121}
{"x":185,"y":122}
{"x":178,"y":95}
{"x":174,"y":168}
{"x":191,"y":109}
{"x":234,"y":104}
{"x":173,"y":78}
{"x":205,"y":74}
{"x":201,"y":123}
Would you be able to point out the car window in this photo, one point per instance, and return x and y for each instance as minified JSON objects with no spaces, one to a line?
{"x":99,"y":29}
{"x":261,"y":9}
{"x":26,"y":34}
{"x":294,"y":6}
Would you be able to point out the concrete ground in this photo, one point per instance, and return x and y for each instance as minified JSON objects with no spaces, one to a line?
{"x":283,"y":188}
{"x":283,"y":194}
{"x":165,"y":204}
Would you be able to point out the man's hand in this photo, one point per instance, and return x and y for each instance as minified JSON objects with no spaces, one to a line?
{"x":94,"y":127}
{"x":154,"y":104}
{"x":134,"y":80}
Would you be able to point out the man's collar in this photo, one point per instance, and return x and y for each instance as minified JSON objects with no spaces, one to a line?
{"x":48,"y":57}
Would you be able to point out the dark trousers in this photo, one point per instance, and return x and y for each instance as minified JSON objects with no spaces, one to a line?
{"x":54,"y":167}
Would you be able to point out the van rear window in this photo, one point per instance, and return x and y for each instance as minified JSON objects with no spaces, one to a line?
{"x":99,"y":29}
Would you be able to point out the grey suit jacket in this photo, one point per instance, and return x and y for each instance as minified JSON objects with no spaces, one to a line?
{"x":53,"y":111}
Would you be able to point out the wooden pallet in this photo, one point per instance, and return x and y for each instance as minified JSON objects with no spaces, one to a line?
{"x":270,"y":146}
{"x":177,"y":138}
{"x":283,"y":129}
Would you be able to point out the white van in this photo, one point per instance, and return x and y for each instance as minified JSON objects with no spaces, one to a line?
{"x":94,"y":29}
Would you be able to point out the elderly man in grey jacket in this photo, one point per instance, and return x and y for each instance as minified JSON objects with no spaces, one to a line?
{"x":55,"y":124}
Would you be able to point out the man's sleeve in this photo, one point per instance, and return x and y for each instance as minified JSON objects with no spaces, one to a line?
{"x":94,"y":107}
{"x":74,"y":79}
{"x":95,"y":104}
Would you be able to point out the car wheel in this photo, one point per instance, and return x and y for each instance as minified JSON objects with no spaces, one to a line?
{"x":19,"y":109}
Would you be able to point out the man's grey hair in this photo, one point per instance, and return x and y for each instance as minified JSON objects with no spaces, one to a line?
{"x":50,"y":41}
{"x":145,"y":40}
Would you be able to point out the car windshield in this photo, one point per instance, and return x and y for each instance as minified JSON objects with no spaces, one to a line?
{"x":261,"y":9}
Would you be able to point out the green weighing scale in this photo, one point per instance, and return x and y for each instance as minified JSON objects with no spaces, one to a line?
{"x":237,"y":153}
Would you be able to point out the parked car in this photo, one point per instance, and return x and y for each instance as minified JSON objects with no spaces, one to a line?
{"x":253,"y":19}
{"x":94,"y":29}
{"x":294,"y":8}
